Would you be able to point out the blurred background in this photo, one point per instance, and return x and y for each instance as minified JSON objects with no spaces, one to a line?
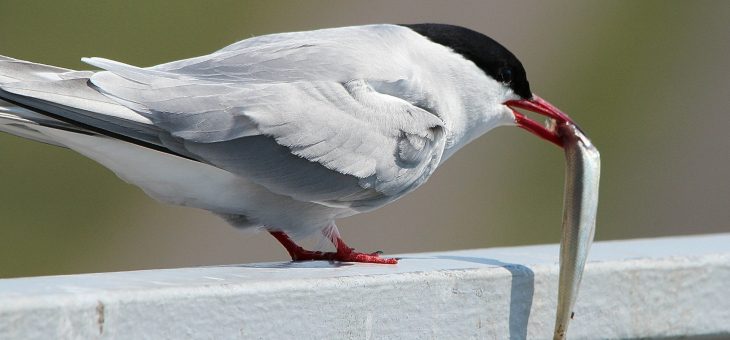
{"x":648,"y":81}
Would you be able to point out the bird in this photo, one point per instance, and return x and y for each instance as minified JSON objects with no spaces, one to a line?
{"x":284,"y":132}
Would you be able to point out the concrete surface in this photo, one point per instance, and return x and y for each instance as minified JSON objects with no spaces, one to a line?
{"x":650,"y":288}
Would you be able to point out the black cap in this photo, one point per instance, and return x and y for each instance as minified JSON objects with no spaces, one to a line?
{"x":493,"y":58}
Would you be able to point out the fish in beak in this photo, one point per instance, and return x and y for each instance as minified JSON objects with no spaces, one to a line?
{"x":580,"y":201}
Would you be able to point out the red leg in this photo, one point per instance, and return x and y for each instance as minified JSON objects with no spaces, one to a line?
{"x":298,"y":253}
{"x":343,"y":253}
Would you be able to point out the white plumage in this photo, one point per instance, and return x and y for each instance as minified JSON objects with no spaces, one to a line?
{"x":287,"y":130}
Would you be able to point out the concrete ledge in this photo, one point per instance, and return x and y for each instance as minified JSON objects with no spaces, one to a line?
{"x":652,"y":288}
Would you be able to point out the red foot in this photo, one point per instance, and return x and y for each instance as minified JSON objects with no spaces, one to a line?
{"x":343,"y":253}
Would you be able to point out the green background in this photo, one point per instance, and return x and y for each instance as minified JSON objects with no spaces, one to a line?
{"x":648,"y":81}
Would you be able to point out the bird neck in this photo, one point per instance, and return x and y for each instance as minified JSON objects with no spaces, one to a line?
{"x":472,"y":106}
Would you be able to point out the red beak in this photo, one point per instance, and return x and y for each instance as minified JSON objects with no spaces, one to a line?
{"x":540,"y":106}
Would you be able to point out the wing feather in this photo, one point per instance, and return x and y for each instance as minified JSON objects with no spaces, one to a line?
{"x":339,"y":141}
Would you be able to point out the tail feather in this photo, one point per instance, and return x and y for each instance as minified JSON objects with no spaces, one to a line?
{"x":75,"y":101}
{"x":67,"y":95}
{"x":23,"y":123}
{"x":36,"y":94}
{"x":15,"y":70}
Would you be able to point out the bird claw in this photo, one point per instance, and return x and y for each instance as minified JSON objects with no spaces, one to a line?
{"x":349,"y":255}
{"x":354,"y":256}
{"x":343,"y":253}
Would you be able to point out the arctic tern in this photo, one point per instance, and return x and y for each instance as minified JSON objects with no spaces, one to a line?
{"x":286,"y":132}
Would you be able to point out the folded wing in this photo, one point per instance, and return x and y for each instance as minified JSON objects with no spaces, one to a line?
{"x":338,"y":143}
{"x":307,"y":115}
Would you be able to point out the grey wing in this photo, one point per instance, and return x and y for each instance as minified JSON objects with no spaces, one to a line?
{"x":339,"y":54}
{"x":337,"y":143}
{"x":65,"y":99}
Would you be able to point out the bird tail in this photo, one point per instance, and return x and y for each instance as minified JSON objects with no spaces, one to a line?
{"x":22,"y":120}
{"x":33,"y":95}
{"x":24,"y":123}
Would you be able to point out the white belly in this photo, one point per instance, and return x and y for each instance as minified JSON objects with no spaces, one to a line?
{"x":180,"y":181}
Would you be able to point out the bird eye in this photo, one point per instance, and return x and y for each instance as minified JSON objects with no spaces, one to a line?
{"x":506,"y":74}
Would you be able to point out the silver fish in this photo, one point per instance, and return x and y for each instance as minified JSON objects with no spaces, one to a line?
{"x":580,"y":205}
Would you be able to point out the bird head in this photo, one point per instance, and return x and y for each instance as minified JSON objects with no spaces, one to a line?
{"x":501,"y":65}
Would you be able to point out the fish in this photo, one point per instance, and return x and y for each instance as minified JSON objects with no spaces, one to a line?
{"x":580,"y":206}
